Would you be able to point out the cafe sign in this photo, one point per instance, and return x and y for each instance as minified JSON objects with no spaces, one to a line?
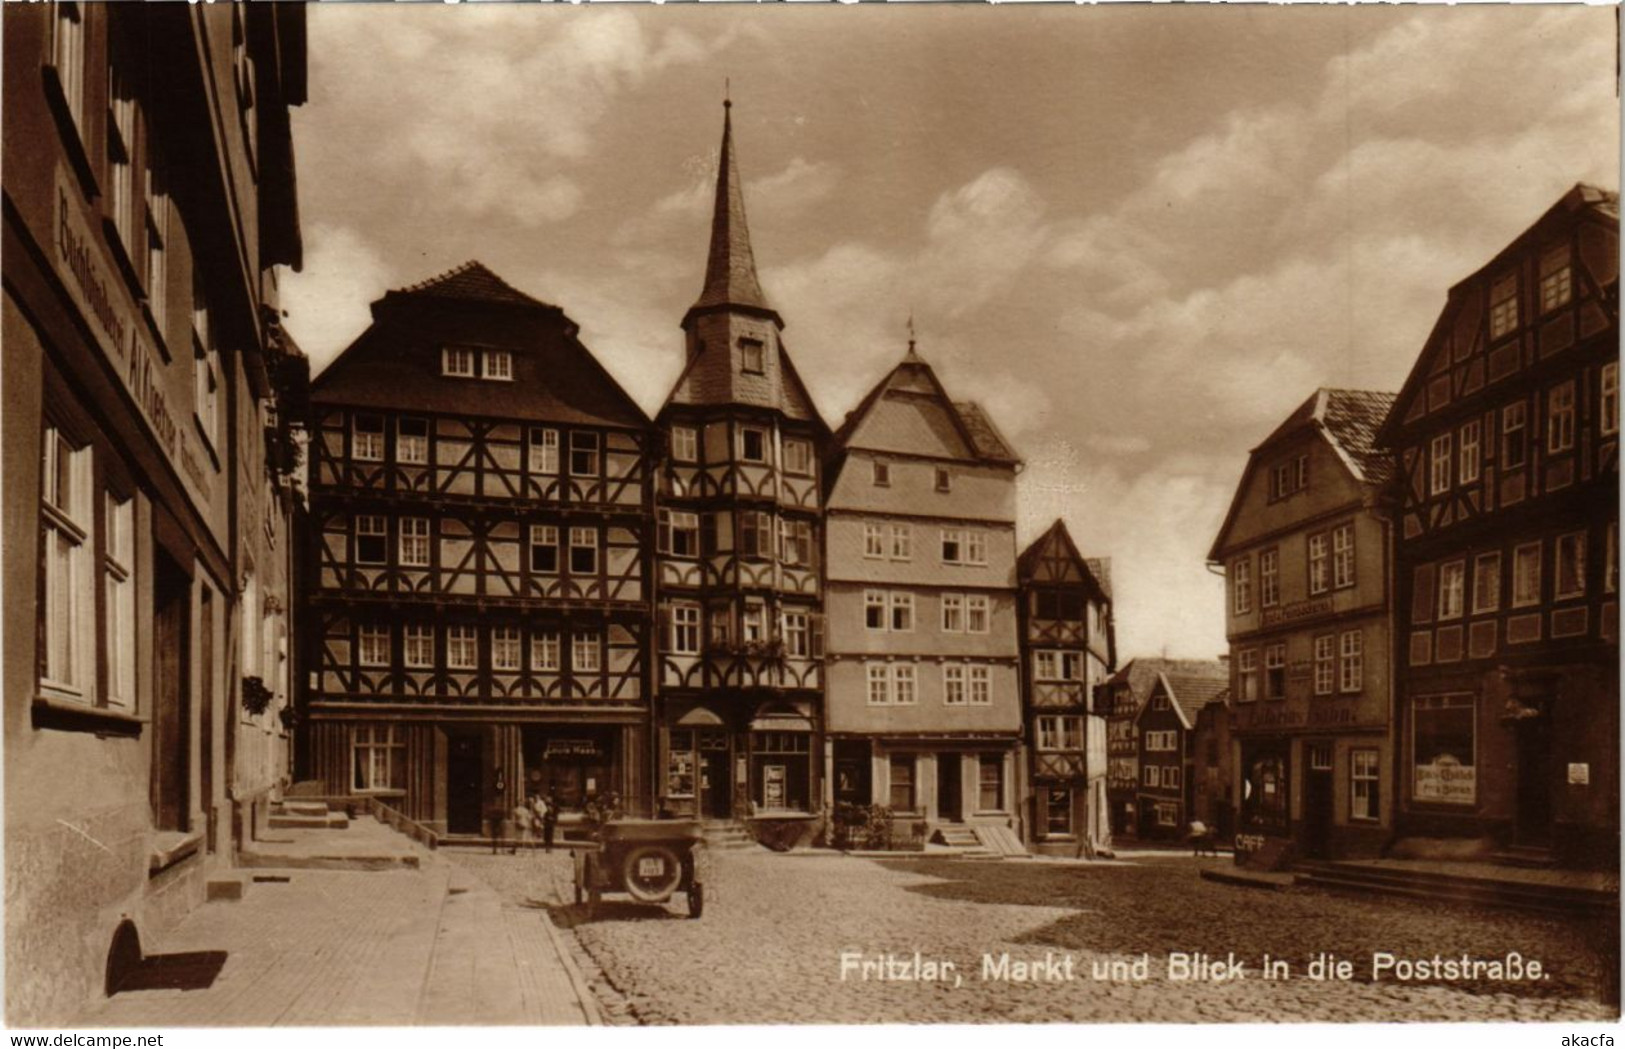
{"x":1445,"y":781}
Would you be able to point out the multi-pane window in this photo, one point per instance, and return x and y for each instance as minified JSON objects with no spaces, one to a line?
{"x":1325,"y":664}
{"x":1365,"y":785}
{"x":367,"y":440}
{"x":1452,"y":583}
{"x":505,"y":648}
{"x":68,"y":58}
{"x":1343,"y":556}
{"x":679,"y":533}
{"x":1570,"y":577}
{"x":902,"y":783}
{"x":1468,"y":468}
{"x":1170,"y":777}
{"x":685,"y":444}
{"x":953,"y":546}
{"x":797,"y":637}
{"x":1609,"y":407}
{"x":874,"y":609}
{"x":1275,"y":671}
{"x":1289,"y":477}
{"x":544,"y":549}
{"x":752,"y":444}
{"x":157,"y":270}
{"x":379,"y":757}
{"x":981,"y":686}
{"x":1057,"y":810}
{"x":1439,"y":460}
{"x":457,"y":361}
{"x":990,"y":795}
{"x":798,"y":458}
{"x":796,"y":542}
{"x":1241,"y":586}
{"x":1320,"y":576}
{"x":752,"y":360}
{"x":975,"y":547}
{"x":755,"y":534}
{"x":586,"y":651}
{"x":1269,"y":578}
{"x":878,"y":682}
{"x":1526,"y":575}
{"x":1503,"y":307}
{"x":1350,"y":661}
{"x":412,"y":441}
{"x":544,"y":650}
{"x":1560,"y":417}
{"x":118,"y":572}
{"x":1247,"y":675}
{"x":753,"y":622}
{"x":414,"y":541}
{"x":1514,"y":434}
{"x":953,"y":684}
{"x":122,"y":119}
{"x":1487,"y":583}
{"x":880,"y":474}
{"x":417,"y":647}
{"x":499,"y":365}
{"x":372,"y":646}
{"x":953,"y":613}
{"x":1556,"y":278}
{"x":684,"y":636}
{"x":901,"y":605}
{"x":371,"y":539}
{"x":977,"y":615}
{"x":874,"y":540}
{"x":583,"y":453}
{"x":462,"y":648}
{"x":583,"y":551}
{"x":902,"y":542}
{"x":1152,"y":775}
{"x":903,"y":682}
{"x":945,"y":480}
{"x":206,"y":391}
{"x":544,"y":451}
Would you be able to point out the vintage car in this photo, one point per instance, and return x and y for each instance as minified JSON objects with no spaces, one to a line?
{"x":649,"y":860}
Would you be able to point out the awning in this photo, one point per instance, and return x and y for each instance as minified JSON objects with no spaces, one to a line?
{"x":700,"y":717}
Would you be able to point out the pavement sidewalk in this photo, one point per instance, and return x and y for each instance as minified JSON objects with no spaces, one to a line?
{"x":431,"y":945}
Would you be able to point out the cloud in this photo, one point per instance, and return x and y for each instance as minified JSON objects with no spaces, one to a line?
{"x":328,"y":303}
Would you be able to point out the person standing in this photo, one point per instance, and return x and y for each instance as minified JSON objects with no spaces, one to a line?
{"x":550,"y":818}
{"x":496,"y":810}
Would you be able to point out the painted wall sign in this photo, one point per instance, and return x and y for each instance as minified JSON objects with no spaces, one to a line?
{"x":120,"y":331}
{"x":570,"y":748}
{"x":1445,"y":781}
{"x":1297,"y":610}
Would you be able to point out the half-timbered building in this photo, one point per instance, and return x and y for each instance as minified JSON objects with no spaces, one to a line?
{"x":1306,"y":552}
{"x":924,"y":703}
{"x":1068,"y":652}
{"x":1506,"y":437}
{"x":740,"y":541}
{"x":1121,"y":699}
{"x":478,"y":600}
{"x":1166,"y":742}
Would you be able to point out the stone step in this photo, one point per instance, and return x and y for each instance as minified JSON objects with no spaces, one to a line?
{"x":326,"y":821}
{"x":293,"y":807}
{"x":1438,"y":886}
{"x":337,"y":861}
{"x":224,"y":889}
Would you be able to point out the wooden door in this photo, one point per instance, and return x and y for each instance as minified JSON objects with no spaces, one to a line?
{"x":465,"y":782}
{"x":1534,"y":812}
{"x":949,"y":793}
{"x":171,"y":768}
{"x":1317,"y":800}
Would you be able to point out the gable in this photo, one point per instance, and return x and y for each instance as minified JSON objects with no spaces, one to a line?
{"x":910,"y":424}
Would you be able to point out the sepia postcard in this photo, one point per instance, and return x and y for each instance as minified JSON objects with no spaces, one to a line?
{"x":629,"y":515}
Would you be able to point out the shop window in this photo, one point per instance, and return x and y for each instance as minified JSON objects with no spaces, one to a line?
{"x":544,"y":549}
{"x":583,"y":551}
{"x":378,"y":757}
{"x":544,"y":651}
{"x":1057,"y":811}
{"x":1241,"y":586}
{"x":583,"y":454}
{"x":781,"y":770}
{"x":902,"y":783}
{"x":544,"y":451}
{"x":1365,"y":785}
{"x":417,"y":649}
{"x":680,"y":766}
{"x":1264,"y":792}
{"x":371,"y":539}
{"x":412,"y":441}
{"x":990,"y":795}
{"x":1442,"y":740}
{"x":1570,"y":577}
{"x":505,"y":648}
{"x":414,"y":542}
{"x":367,"y":439}
{"x":1486,"y":583}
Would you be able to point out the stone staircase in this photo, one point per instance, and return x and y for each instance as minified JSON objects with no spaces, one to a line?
{"x":306,"y":815}
{"x":1527,"y":856}
{"x":964,"y":839}
{"x":1439,"y":886}
{"x":999,"y":839}
{"x":726,"y":834}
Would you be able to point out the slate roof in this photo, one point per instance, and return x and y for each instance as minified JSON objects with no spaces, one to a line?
{"x":990,"y":444}
{"x":471,"y":282}
{"x":730,"y":267}
{"x":1195,"y":690}
{"x":912,"y":376}
{"x":1101,"y":567}
{"x":1142,"y":672}
{"x":1352,"y":419}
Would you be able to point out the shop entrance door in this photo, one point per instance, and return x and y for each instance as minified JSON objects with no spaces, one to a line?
{"x":1317,"y":800}
{"x":949,"y":788}
{"x":716,"y":792}
{"x":171,"y":748}
{"x":1534,"y":810}
{"x":465,"y":782}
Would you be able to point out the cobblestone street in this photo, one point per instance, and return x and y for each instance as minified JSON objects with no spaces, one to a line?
{"x":769,"y":947}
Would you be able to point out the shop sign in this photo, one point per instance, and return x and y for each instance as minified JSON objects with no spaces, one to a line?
{"x":1447,"y":781}
{"x":570,"y":748}
{"x":1297,"y":610}
{"x":1580,"y":773}
{"x":773,"y":786}
{"x":120,"y":329}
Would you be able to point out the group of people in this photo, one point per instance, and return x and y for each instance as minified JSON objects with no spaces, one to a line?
{"x":536,"y":816}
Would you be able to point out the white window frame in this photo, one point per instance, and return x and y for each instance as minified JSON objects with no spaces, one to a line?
{"x":878,"y":688}
{"x":978,"y":614}
{"x":685,"y":444}
{"x":1514,"y":420}
{"x":68,"y":58}
{"x":684,"y":636}
{"x":457,"y":362}
{"x":1320,"y":564}
{"x":954,"y":690}
{"x":902,"y":542}
{"x":1526,"y":555}
{"x":1560,"y":418}
{"x":1487,"y":598}
{"x":1452,"y":590}
{"x":1241,"y":585}
{"x":1269,"y":578}
{"x":762,"y":435}
{"x":544,"y":451}
{"x":586,"y":652}
{"x":1351,"y":662}
{"x":1468,"y":448}
{"x":900,"y":601}
{"x":367,"y":446}
{"x":411,"y":449}
{"x":1325,"y":664}
{"x":373,"y":750}
{"x":462,"y":647}
{"x":875,"y":616}
{"x":874,"y":540}
{"x":953,"y":546}
{"x":953,"y":613}
{"x":413,"y":542}
{"x":1247,"y":678}
{"x":1569,"y":547}
{"x":1275,"y":659}
{"x":979,"y":678}
{"x":798,"y":456}
{"x":1343,"y":563}
{"x":975,"y":547}
{"x":904,"y":684}
{"x":543,"y":537}
{"x":506,"y":650}
{"x":545,"y":651}
{"x":497,"y":365}
{"x":586,"y":443}
{"x":584,"y":539}
{"x":1365,"y":784}
{"x":372,"y":525}
{"x":1439,"y":464}
{"x":797,"y":632}
{"x":417,"y":646}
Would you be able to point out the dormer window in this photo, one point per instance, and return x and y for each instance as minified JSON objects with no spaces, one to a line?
{"x":752,"y":359}
{"x":945,"y":481}
{"x":1504,"y":306}
{"x":882,"y":474}
{"x":499,"y":365}
{"x":1556,"y":279}
{"x":457,"y":361}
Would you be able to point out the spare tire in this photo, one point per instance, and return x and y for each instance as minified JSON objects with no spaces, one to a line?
{"x":651,"y":873}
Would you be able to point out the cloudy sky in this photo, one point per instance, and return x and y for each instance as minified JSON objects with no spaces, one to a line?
{"x":1139,"y":235}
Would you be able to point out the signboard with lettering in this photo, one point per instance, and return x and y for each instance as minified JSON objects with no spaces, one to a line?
{"x":1297,"y":610}
{"x":1579,"y":774}
{"x":1445,"y":780}
{"x":570,"y":748}
{"x":773,"y":786}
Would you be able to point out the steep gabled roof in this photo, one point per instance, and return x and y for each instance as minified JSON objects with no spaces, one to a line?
{"x":909,"y":411}
{"x":1142,"y":672}
{"x":1189,"y":691}
{"x":470,"y":282}
{"x":1057,"y":535}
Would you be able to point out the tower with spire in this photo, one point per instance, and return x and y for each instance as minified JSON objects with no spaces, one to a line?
{"x":739,"y":545}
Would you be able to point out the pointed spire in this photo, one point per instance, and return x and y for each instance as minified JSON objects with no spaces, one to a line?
{"x":911,"y":356}
{"x":730,"y":269}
